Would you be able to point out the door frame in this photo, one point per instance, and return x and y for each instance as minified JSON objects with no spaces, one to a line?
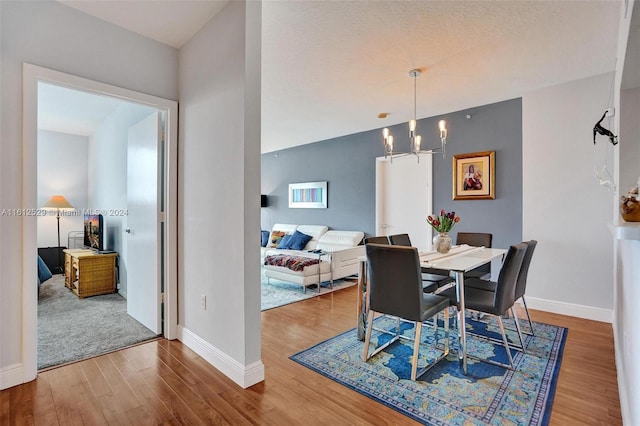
{"x":31,"y":75}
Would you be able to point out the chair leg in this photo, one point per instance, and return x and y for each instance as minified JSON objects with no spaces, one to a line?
{"x":526,"y":310}
{"x":416,"y":349}
{"x":367,"y":339}
{"x":504,"y":340}
{"x":515,"y":319}
{"x":446,"y":332}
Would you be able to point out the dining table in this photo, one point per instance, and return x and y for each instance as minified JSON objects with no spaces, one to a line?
{"x":460,"y":259}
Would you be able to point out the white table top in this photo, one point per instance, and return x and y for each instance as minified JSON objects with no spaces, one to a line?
{"x":461,"y":258}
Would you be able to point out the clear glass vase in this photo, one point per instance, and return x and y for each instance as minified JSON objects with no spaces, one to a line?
{"x":442,"y":242}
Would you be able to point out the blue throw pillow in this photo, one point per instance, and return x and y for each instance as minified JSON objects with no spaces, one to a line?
{"x":264,"y":238}
{"x":298,"y":240}
{"x":284,"y":242}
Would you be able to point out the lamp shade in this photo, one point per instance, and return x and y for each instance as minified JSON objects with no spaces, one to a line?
{"x":57,"y":202}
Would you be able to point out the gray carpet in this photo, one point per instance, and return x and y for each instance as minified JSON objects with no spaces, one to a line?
{"x":72,"y":329}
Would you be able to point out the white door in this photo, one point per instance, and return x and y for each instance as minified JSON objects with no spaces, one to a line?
{"x":143,"y":226}
{"x":404,"y":198}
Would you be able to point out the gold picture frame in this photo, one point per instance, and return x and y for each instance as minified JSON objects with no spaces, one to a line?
{"x":474,"y":176}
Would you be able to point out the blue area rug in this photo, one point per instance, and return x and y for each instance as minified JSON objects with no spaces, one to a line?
{"x":279,"y":293}
{"x":487,"y":395}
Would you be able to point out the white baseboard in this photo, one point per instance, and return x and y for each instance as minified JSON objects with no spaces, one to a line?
{"x":243,"y":375}
{"x":10,"y":376}
{"x":570,"y":309}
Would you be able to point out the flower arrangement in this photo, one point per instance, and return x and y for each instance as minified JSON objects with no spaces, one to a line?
{"x":444,"y":222}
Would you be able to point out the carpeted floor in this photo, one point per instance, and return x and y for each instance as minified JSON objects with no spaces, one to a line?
{"x":278,"y":293}
{"x":71,"y":329}
{"x":488,"y":395}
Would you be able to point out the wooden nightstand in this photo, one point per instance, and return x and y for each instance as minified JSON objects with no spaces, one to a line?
{"x":89,"y":273}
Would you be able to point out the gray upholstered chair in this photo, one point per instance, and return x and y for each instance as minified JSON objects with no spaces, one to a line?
{"x":499,"y":301}
{"x":382,"y":239}
{"x":400,"y":240}
{"x":521,"y":285}
{"x":476,"y":239}
{"x":396,"y":290}
{"x":431,"y":280}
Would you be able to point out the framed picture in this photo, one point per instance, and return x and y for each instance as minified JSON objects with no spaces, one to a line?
{"x":309,"y":195}
{"x":474,"y":176}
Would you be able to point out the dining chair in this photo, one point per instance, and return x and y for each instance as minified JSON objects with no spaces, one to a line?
{"x":396,"y":290}
{"x":476,"y":239}
{"x":499,"y":301}
{"x":431,"y":281}
{"x":521,"y":285}
{"x":382,"y":239}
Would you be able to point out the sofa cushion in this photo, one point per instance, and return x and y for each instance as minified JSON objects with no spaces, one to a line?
{"x":275,"y":237}
{"x":298,"y":240}
{"x":281,"y":227}
{"x":316,"y":231}
{"x":285,"y":243}
{"x":339,"y":240}
{"x":264,"y":238}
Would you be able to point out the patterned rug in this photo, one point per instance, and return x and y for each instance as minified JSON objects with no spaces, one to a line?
{"x":487,"y":395}
{"x":278,"y":293}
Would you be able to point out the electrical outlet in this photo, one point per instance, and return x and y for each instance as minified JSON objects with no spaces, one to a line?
{"x":203,"y":302}
{"x":610,"y":112}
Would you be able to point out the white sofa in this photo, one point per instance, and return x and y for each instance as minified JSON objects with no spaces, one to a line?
{"x":339,"y":257}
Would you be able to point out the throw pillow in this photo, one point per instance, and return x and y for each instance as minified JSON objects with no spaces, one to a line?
{"x":298,"y":240}
{"x":264,"y":238}
{"x":276,"y":236}
{"x":284,"y":242}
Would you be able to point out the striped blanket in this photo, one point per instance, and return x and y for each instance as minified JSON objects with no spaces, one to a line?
{"x":295,"y":263}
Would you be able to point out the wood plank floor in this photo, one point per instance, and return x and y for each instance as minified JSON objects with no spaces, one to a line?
{"x":164,"y":382}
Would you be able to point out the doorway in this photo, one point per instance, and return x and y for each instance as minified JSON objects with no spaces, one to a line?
{"x":397,"y":213}
{"x":167,"y":223}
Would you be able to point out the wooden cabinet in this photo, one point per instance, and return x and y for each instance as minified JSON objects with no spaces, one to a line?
{"x":89,"y":273}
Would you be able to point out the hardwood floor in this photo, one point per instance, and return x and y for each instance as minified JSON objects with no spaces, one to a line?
{"x":164,"y":382}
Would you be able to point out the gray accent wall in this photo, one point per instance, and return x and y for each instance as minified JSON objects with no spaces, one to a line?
{"x":348,"y":165}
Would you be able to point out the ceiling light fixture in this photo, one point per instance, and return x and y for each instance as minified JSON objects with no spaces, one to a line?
{"x":414,"y":139}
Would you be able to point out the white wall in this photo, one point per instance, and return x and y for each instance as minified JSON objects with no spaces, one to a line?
{"x":52,"y":35}
{"x":628,"y":272}
{"x":630,"y":139}
{"x":219,"y":186}
{"x":627,"y":253}
{"x":108,"y":178}
{"x":62,"y":169}
{"x":564,"y":207}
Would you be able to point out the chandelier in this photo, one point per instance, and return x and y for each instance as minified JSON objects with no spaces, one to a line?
{"x":415,"y":139}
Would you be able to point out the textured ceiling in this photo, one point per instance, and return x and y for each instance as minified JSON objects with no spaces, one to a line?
{"x":330,"y":67}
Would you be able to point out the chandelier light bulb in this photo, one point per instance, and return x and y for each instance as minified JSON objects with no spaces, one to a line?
{"x":412,"y":125}
{"x":418,"y":140}
{"x":385,"y":133}
{"x":390,"y":143}
{"x":443,"y":128}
